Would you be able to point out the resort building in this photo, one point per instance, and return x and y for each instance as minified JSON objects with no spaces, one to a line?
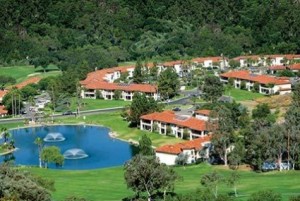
{"x":265,"y":84}
{"x":206,"y":62}
{"x":192,"y":150}
{"x":266,"y":60}
{"x":292,"y":67}
{"x":101,"y":82}
{"x":3,"y":111}
{"x":2,"y":94}
{"x":168,"y":123}
{"x":202,"y":114}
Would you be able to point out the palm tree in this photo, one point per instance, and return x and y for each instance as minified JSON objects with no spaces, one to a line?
{"x":39,"y":142}
{"x":5,"y":134}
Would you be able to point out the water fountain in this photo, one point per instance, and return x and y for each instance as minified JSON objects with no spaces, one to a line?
{"x":75,"y":154}
{"x":54,"y":137}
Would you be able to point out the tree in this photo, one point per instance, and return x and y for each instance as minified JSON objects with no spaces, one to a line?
{"x":263,"y":112}
{"x":243,"y":85}
{"x":141,"y":105}
{"x":212,"y":88}
{"x":234,"y":64}
{"x":146,"y":174}
{"x":232,"y":181}
{"x":222,"y":126}
{"x":292,"y":134}
{"x":153,"y":73}
{"x":211,"y":182}
{"x":138,"y":73}
{"x":145,"y":146}
{"x":39,"y":142}
{"x":265,"y":195}
{"x":28,"y":91}
{"x":52,"y":154}
{"x":117,"y":94}
{"x":18,"y":185}
{"x":236,"y":155}
{"x":5,"y":134}
{"x":181,"y":159}
{"x":13,"y":101}
{"x":168,"y":83}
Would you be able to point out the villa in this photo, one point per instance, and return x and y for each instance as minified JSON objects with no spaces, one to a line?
{"x":206,"y":62}
{"x":168,"y":123}
{"x":102,"y":82}
{"x":202,"y":114}
{"x":192,"y":150}
{"x":267,"y":85}
{"x":266,"y":60}
{"x":3,"y":111}
{"x":2,"y":94}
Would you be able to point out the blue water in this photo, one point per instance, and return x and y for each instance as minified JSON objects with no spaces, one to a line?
{"x":103,"y":150}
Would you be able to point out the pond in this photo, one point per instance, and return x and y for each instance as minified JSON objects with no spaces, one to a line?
{"x":84,"y":147}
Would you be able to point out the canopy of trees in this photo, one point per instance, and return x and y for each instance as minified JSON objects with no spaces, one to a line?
{"x":18,"y":185}
{"x":100,"y":33}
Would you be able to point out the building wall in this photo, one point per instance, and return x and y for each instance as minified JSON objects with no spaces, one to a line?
{"x":168,"y":159}
{"x":202,"y":117}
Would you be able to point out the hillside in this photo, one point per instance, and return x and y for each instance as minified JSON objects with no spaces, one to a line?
{"x":101,"y":33}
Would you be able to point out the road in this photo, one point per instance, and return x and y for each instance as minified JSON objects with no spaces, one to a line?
{"x":56,"y":116}
{"x":183,"y":100}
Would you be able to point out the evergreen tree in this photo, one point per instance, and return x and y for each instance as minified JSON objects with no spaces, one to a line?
{"x":138,"y":77}
{"x":168,"y":83}
{"x":212,"y":89}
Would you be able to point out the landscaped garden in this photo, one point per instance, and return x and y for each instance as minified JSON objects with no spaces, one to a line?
{"x":242,"y":95}
{"x":92,"y":104}
{"x":109,"y":184}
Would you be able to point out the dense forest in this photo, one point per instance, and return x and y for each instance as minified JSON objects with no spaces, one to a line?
{"x":101,"y":33}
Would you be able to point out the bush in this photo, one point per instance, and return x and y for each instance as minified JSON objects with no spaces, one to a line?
{"x":266,"y":195}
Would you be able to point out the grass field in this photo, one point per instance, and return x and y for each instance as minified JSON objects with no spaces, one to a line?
{"x":242,"y":95}
{"x":21,"y":73}
{"x":92,"y":104}
{"x":118,"y":125}
{"x":108,"y":184}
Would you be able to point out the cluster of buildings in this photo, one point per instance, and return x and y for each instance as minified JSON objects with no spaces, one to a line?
{"x":266,"y":84}
{"x":196,"y":129}
{"x":267,"y":60}
{"x":103,"y":81}
{"x":3,"y":111}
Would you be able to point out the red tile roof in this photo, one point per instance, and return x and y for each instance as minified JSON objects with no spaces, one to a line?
{"x":295,"y":66}
{"x":172,"y":63}
{"x":253,"y":57}
{"x":171,"y":118}
{"x":213,"y":59}
{"x":147,"y":88}
{"x":262,"y":79}
{"x":3,"y":93}
{"x":277,"y":67}
{"x":179,"y":147}
{"x":287,"y":56}
{"x":203,"y":112}
{"x":3,"y":110}
{"x":96,"y":80}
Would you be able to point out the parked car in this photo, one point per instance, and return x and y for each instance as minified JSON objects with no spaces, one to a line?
{"x":269,"y":166}
{"x":176,"y":109}
{"x":68,"y":113}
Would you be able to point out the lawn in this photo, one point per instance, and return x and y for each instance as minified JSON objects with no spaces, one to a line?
{"x":108,"y":184}
{"x":242,"y":95}
{"x":92,"y":104}
{"x":21,"y":73}
{"x":118,"y":125}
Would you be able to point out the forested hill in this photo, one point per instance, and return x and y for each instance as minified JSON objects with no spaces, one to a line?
{"x":101,"y":33}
